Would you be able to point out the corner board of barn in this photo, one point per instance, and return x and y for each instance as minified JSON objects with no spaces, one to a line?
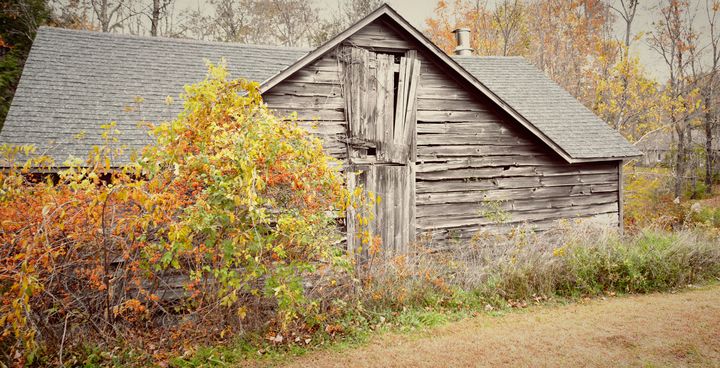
{"x":432,"y":148}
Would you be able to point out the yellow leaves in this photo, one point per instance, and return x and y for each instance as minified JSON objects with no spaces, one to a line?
{"x":217,"y":72}
{"x":242,"y":312}
{"x":627,"y":99}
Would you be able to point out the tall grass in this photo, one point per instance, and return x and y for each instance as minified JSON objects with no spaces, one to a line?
{"x":432,"y":285}
{"x":569,"y":261}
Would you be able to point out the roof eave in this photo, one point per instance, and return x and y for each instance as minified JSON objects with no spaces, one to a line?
{"x":604,"y":159}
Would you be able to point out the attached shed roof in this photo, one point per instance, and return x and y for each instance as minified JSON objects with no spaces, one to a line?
{"x":74,"y":81}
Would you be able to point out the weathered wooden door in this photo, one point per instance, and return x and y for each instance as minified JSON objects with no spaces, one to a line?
{"x":380,"y":104}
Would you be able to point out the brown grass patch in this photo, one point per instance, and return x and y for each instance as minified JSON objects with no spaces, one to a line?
{"x":651,"y":330}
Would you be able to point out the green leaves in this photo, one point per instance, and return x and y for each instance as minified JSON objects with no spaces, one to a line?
{"x":255,"y":191}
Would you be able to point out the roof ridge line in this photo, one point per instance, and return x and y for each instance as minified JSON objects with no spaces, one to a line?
{"x":165,"y":39}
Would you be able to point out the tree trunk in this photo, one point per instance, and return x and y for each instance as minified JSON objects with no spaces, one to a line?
{"x":155,"y":18}
{"x":628,"y":25}
{"x":709,"y":159}
{"x":680,"y":163}
{"x":691,"y":166}
{"x":104,"y":21}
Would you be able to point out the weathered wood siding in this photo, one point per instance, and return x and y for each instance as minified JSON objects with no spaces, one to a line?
{"x":470,"y":157}
{"x":470,"y":153}
{"x":314,"y":93}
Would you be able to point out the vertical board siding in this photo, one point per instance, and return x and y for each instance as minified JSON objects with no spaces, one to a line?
{"x":387,"y":172}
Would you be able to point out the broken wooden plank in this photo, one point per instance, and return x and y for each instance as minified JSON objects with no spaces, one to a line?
{"x":409,"y":135}
{"x":435,"y":222}
{"x":388,"y":117}
{"x":412,"y":203}
{"x":489,"y":126}
{"x":400,"y":99}
{"x":472,"y":139}
{"x":460,"y":116}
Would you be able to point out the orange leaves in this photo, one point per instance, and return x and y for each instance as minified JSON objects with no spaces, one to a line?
{"x":333,"y":329}
{"x":131,"y":310}
{"x":567,"y":39}
{"x":231,"y":208}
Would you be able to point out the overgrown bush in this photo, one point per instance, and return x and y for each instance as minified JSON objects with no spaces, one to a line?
{"x":707,"y":216}
{"x":213,"y":231}
{"x":649,"y":200}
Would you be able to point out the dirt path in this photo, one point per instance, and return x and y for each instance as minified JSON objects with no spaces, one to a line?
{"x":680,"y":329}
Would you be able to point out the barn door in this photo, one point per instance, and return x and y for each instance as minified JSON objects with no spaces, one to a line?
{"x":391,"y":217}
{"x":380,"y":104}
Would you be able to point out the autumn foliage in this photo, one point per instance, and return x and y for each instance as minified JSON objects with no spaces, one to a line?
{"x":219,"y":225}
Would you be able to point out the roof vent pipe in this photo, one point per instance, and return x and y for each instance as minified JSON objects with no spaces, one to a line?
{"x":462,"y":37}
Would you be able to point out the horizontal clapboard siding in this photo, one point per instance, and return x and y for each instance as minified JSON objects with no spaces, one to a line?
{"x":470,"y":154}
{"x":378,"y":36}
{"x":314,"y":96}
{"x":464,"y":233}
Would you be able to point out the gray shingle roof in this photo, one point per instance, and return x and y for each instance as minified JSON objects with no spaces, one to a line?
{"x":74,"y":81}
{"x":550,"y":108}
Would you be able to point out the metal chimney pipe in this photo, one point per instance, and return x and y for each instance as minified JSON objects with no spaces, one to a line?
{"x":462,"y":37}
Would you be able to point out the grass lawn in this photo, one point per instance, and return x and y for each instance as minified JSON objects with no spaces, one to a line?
{"x":658,"y":330}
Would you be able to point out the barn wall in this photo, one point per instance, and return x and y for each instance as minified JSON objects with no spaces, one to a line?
{"x":474,"y":158}
{"x":315,"y":94}
{"x":471,"y":157}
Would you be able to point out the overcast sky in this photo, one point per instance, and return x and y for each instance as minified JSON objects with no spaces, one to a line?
{"x":416,"y":11}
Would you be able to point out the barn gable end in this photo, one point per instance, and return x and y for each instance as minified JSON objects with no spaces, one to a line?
{"x":469,"y":156}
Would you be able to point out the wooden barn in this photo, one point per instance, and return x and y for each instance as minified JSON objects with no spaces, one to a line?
{"x":439,"y":138}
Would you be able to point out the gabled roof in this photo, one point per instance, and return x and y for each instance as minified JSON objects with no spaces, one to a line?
{"x":74,"y":81}
{"x":539,"y":104}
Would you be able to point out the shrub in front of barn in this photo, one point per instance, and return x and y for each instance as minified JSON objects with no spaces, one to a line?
{"x":226,"y":226}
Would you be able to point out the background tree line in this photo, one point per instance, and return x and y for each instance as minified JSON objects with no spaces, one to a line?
{"x":575,"y":42}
